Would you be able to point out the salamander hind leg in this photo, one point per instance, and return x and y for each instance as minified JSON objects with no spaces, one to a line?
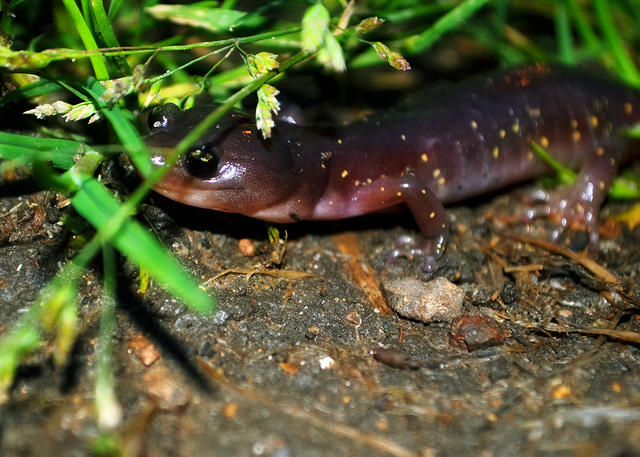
{"x":577,"y":206}
{"x":431,"y":217}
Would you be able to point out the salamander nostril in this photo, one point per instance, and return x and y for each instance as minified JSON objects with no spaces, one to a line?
{"x":201,"y":162}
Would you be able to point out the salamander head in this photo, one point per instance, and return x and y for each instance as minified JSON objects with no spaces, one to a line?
{"x":231,"y":168}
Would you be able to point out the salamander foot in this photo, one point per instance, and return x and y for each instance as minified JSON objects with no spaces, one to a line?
{"x":429,"y":250}
{"x":571,"y":209}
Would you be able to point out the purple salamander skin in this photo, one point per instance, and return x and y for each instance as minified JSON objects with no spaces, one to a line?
{"x":460,"y":142}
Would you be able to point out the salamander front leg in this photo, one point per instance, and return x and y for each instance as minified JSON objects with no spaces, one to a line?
{"x":432,"y":220}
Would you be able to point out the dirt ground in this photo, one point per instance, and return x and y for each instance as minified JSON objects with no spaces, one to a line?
{"x":538,"y":360}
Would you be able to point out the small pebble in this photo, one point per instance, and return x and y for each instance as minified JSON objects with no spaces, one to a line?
{"x":476,"y":332}
{"x":246,"y":247}
{"x":437,"y":300}
{"x":165,"y":390}
{"x":143,"y":349}
{"x":395,"y":358}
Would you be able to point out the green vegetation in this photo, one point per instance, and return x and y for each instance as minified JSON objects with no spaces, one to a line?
{"x":138,"y":53}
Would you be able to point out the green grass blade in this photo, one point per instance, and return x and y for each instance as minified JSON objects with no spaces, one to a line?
{"x":566,"y":51}
{"x":99,"y":67}
{"x":215,"y":20}
{"x":125,"y":130}
{"x":450,"y":21}
{"x":583,"y":28}
{"x":565,"y":175}
{"x":624,"y":188}
{"x":98,"y":206}
{"x":14,"y":347}
{"x":114,"y":6}
{"x":624,"y":63}
{"x":416,"y":11}
{"x":30,"y":149}
{"x":103,"y":24}
{"x":108,"y":411}
{"x":35,"y":89}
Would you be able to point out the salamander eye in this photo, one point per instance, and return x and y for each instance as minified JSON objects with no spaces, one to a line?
{"x":164,"y":116}
{"x":202,"y":162}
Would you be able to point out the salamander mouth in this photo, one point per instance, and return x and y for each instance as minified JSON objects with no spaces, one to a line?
{"x":193,"y":196}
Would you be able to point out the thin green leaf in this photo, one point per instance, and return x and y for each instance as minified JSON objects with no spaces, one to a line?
{"x":583,"y":28}
{"x":450,"y":21}
{"x":25,"y":61}
{"x":625,"y":188}
{"x":30,"y":149}
{"x":215,"y":20}
{"x":14,"y":347}
{"x":103,"y":24}
{"x":35,"y":89}
{"x":108,"y":410}
{"x":114,"y":6}
{"x":98,"y":206}
{"x":97,"y":61}
{"x":315,"y":25}
{"x":125,"y":130}
{"x":565,"y":175}
{"x":624,"y":63}
{"x":564,"y":38}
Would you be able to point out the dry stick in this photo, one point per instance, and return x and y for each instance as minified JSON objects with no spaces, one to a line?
{"x":291,"y":410}
{"x":622,"y":335}
{"x":361,"y":272}
{"x":581,"y":259}
{"x":286,"y":274}
{"x":594,"y":267}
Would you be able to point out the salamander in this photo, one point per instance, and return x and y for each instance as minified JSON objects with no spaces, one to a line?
{"x":452,"y":143}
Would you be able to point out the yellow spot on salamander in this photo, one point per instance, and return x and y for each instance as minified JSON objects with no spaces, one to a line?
{"x":357,"y":183}
{"x":330,"y":202}
{"x":594,"y":120}
{"x":544,"y":141}
{"x":600,"y":151}
{"x":503,"y":133}
{"x":575,"y":136}
{"x":534,"y":112}
{"x":399,"y":194}
{"x":424,"y":157}
{"x":495,"y":152}
{"x":344,"y":174}
{"x":530,"y":155}
{"x":515,"y":127}
{"x":403,"y":137}
{"x":441,"y":181}
{"x":339,"y":140}
{"x":298,"y":200}
{"x":474,"y":125}
{"x":382,"y":189}
{"x":612,"y":161}
{"x":432,"y":214}
{"x":423,"y":191}
{"x":436,"y":172}
{"x":601,"y":185}
{"x":574,"y":124}
{"x":628,"y":108}
{"x":369,"y":181}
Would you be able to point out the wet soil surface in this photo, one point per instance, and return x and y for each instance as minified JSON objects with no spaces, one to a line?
{"x":538,"y":358}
